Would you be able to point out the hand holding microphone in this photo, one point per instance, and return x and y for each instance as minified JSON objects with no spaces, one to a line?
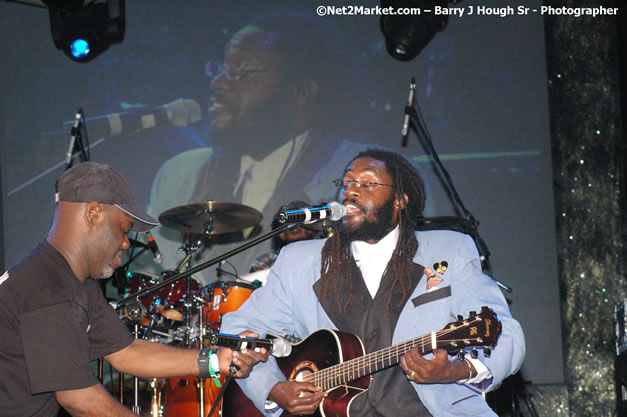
{"x":240,"y":363}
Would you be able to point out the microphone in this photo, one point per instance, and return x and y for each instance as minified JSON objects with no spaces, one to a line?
{"x":332,"y":211}
{"x":156,"y":254}
{"x":75,"y":132}
{"x":279,"y":348}
{"x":408,"y":108}
{"x":179,"y":113}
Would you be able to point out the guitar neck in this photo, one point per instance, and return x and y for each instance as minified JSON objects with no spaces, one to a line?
{"x":479,"y":330}
{"x":344,"y":372}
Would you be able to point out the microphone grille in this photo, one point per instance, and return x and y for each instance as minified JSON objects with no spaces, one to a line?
{"x":281,"y":348}
{"x":337,"y":210}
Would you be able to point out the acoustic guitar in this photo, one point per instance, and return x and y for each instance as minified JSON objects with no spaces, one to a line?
{"x":336,"y":361}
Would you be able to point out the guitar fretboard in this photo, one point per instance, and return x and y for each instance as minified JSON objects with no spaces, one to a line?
{"x":370,"y":363}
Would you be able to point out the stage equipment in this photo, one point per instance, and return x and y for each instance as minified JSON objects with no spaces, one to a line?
{"x":210,"y":217}
{"x":407,"y":34}
{"x":85,"y":29}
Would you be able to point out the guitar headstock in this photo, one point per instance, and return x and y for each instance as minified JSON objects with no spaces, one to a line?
{"x":481,"y":329}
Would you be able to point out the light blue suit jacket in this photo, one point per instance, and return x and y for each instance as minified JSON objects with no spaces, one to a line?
{"x":287,"y":305}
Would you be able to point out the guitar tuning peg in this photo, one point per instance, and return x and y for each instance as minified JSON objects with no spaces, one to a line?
{"x":461,"y":355}
{"x":474,"y":354}
{"x":460,"y":317}
{"x":472,"y":314}
{"x":487,"y":352}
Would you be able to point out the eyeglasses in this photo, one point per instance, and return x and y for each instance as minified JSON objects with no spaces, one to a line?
{"x":366,"y":185}
{"x":216,"y":69}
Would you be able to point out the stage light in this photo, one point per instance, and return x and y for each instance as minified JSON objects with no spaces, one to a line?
{"x":407,"y":34}
{"x":79,"y":48}
{"x":85,"y":30}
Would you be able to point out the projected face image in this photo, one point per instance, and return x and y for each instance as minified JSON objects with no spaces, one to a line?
{"x":248,"y":86}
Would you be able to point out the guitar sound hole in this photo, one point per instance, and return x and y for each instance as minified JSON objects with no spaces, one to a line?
{"x":302,"y":371}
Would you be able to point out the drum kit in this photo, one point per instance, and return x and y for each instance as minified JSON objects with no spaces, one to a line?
{"x":174,"y":307}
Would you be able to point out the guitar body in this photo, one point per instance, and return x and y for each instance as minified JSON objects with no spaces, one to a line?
{"x":320,"y":350}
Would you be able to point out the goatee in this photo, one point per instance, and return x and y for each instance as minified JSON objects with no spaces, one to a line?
{"x":369,"y":230}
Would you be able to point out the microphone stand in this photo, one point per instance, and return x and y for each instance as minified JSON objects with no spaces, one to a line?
{"x":419,"y":127}
{"x":77,"y":140}
{"x":200,"y":267}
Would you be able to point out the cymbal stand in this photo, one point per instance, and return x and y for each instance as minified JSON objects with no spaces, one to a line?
{"x":209,"y":227}
{"x":136,"y":407}
{"x":201,"y":381}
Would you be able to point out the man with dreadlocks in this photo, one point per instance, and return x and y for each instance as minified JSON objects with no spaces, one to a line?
{"x":383,"y":281}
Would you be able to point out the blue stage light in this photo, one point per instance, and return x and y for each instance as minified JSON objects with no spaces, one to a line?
{"x":85,"y":29}
{"x":79,"y":48}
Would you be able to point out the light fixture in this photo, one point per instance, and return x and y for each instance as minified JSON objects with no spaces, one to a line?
{"x":407,"y":34}
{"x":83,"y":30}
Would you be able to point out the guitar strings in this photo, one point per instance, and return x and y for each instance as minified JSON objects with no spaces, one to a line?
{"x":352,"y":369}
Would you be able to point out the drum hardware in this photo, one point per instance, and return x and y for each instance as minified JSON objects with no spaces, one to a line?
{"x":201,"y":381}
{"x":221,"y":218}
{"x":156,"y":385}
{"x":176,"y":277}
{"x":120,"y":277}
{"x":143,"y":296}
{"x":136,"y":407}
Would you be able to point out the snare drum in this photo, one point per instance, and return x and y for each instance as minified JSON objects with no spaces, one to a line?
{"x":181,"y":396}
{"x":224,"y":297}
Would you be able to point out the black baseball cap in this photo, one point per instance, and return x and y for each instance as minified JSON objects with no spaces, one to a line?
{"x":91,"y":181}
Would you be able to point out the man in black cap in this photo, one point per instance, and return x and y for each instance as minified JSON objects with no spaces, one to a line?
{"x":54,"y":320}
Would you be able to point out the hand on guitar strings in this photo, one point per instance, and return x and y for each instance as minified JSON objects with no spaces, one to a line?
{"x":298,"y":398}
{"x":438,"y":369}
{"x":244,"y":360}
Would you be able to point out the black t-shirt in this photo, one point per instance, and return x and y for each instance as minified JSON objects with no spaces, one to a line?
{"x":51,"y":327}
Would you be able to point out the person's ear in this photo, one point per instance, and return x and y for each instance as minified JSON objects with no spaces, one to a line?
{"x":93,"y":213}
{"x":401,"y":203}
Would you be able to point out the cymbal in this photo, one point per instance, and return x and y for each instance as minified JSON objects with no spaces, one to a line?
{"x":213,"y":216}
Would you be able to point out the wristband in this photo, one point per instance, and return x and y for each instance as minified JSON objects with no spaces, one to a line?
{"x":214,"y":368}
{"x":204,"y":368}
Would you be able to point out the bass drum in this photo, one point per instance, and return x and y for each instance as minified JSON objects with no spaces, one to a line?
{"x":182,"y":394}
{"x":137,"y":281}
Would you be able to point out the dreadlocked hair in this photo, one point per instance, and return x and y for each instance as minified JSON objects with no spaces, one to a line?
{"x":336,"y":265}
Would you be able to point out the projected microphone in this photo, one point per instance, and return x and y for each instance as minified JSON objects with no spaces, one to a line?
{"x":74,"y":132}
{"x":179,"y":113}
{"x":278,"y":348}
{"x":408,"y":109}
{"x":332,"y":211}
{"x":156,"y":253}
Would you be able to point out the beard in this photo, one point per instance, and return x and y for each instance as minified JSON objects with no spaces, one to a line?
{"x":370,"y":230}
{"x":106,"y":273}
